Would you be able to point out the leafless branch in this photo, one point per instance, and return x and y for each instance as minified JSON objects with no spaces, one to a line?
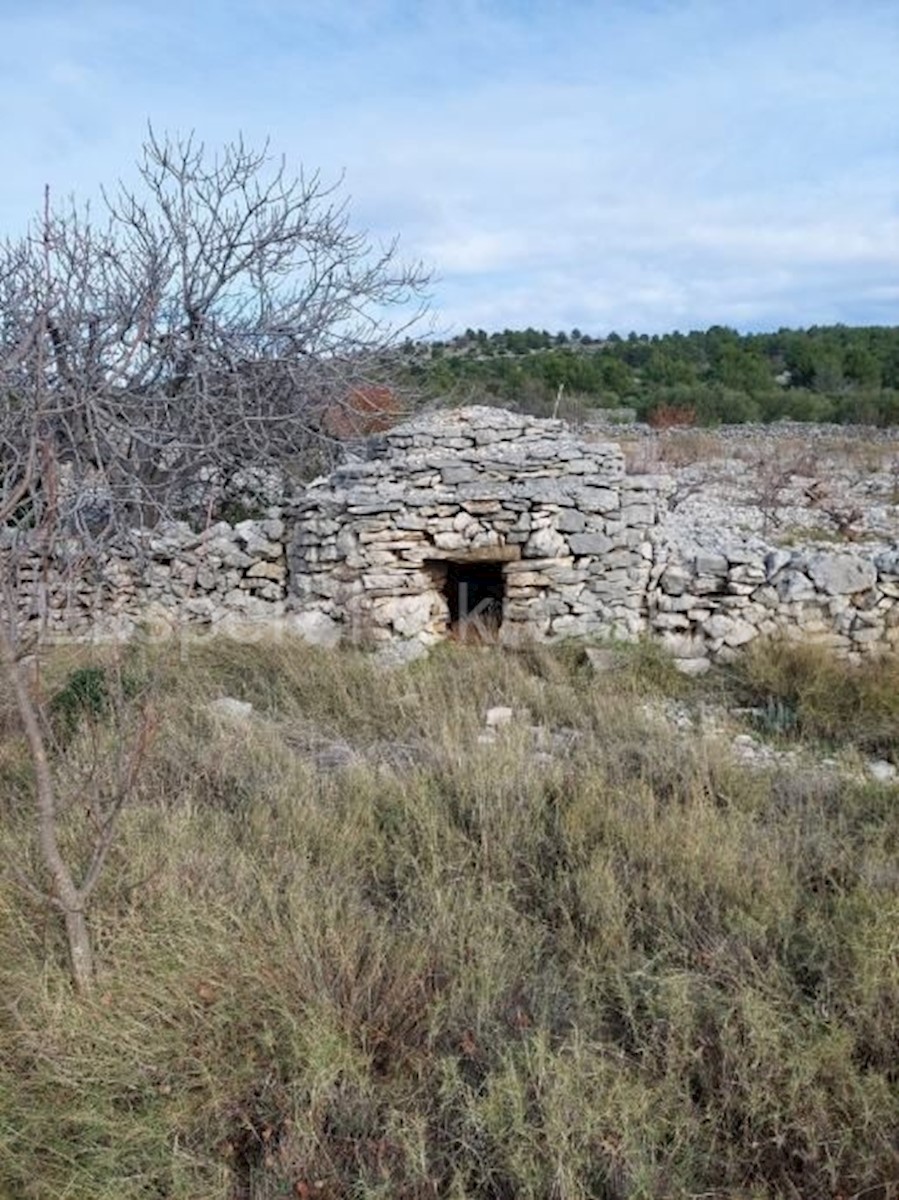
{"x":204,"y":322}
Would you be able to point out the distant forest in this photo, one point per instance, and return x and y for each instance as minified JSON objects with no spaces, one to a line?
{"x":834,"y":373}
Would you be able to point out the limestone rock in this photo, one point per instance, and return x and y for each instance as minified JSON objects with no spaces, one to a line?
{"x":693,"y":666}
{"x":590,"y":543}
{"x":842,"y":574}
{"x":545,"y":543}
{"x":316,"y":628}
{"x":231,"y":709}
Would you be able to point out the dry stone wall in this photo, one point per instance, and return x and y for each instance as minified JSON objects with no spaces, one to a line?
{"x":705,"y":606}
{"x":224,"y":578}
{"x":477,"y":519}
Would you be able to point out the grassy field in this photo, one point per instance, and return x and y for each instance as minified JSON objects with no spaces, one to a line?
{"x":354,"y":947}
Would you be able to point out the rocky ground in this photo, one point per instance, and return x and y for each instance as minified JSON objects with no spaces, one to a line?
{"x":778,"y":485}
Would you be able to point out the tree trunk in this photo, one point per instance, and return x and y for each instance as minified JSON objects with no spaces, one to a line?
{"x":64,"y":893}
{"x":81,"y":954}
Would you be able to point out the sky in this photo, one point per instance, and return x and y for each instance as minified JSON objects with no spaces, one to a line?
{"x":643,"y":165}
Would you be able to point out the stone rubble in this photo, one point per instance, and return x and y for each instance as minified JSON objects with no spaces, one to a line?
{"x":718,"y":726}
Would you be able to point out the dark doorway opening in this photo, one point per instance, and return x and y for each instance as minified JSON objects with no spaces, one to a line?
{"x":475,"y":592}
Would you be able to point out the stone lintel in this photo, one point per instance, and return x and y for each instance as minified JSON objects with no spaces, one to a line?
{"x":503,"y":554}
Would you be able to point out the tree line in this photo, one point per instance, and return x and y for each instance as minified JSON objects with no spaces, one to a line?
{"x":825,"y":373}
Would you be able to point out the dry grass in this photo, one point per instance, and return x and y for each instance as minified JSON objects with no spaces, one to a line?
{"x":684,"y":447}
{"x":823,"y":699}
{"x":449,"y":968}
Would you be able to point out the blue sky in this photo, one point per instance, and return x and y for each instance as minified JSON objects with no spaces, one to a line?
{"x":646,"y":165}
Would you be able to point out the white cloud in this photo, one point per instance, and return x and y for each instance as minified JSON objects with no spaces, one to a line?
{"x":632,"y":165}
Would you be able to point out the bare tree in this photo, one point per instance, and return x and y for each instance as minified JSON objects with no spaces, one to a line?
{"x":203,"y":322}
{"x":207,"y":318}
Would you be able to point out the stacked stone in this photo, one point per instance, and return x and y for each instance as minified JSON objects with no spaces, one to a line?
{"x":227,"y":575}
{"x":705,"y":606}
{"x":224,"y":577}
{"x":578,"y":544}
{"x":574,"y":534}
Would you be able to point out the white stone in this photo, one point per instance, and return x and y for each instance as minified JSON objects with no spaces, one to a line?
{"x":276,"y":571}
{"x":842,"y":574}
{"x":881,"y":770}
{"x":692,"y":666}
{"x":410,"y":615}
{"x":545,"y":543}
{"x":680,"y":645}
{"x":449,"y":540}
{"x":316,"y":628}
{"x":231,"y":709}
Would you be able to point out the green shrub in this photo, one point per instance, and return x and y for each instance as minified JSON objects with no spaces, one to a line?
{"x":84,"y":695}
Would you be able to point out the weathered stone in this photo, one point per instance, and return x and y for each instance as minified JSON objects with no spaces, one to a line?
{"x":711,"y":564}
{"x":397,"y":582}
{"x":680,"y":645}
{"x":672,"y":620}
{"x":793,"y":585}
{"x":596,"y":499}
{"x":841,"y":574}
{"x":231,"y":709}
{"x":887,"y":563}
{"x":276,"y":571}
{"x":545,"y":543}
{"x":881,"y":770}
{"x":202,"y":607}
{"x":228,"y":553}
{"x":473,"y":487}
{"x":482,"y":507}
{"x":693,"y":666}
{"x":316,"y":628}
{"x":638,"y":514}
{"x":571,"y":521}
{"x":449,"y":540}
{"x":410,"y":615}
{"x":776,"y":561}
{"x":590,"y":543}
{"x":730,"y":630}
{"x":675,"y":580}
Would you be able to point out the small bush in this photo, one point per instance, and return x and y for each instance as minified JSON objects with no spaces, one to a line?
{"x":668,"y":416}
{"x":84,"y":695}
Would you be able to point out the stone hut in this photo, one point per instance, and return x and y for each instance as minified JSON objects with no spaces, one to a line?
{"x":474,"y":522}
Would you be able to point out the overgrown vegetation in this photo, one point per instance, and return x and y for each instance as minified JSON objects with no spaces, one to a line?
{"x":347,"y":948}
{"x":836,"y":373}
{"x":820,"y":698}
